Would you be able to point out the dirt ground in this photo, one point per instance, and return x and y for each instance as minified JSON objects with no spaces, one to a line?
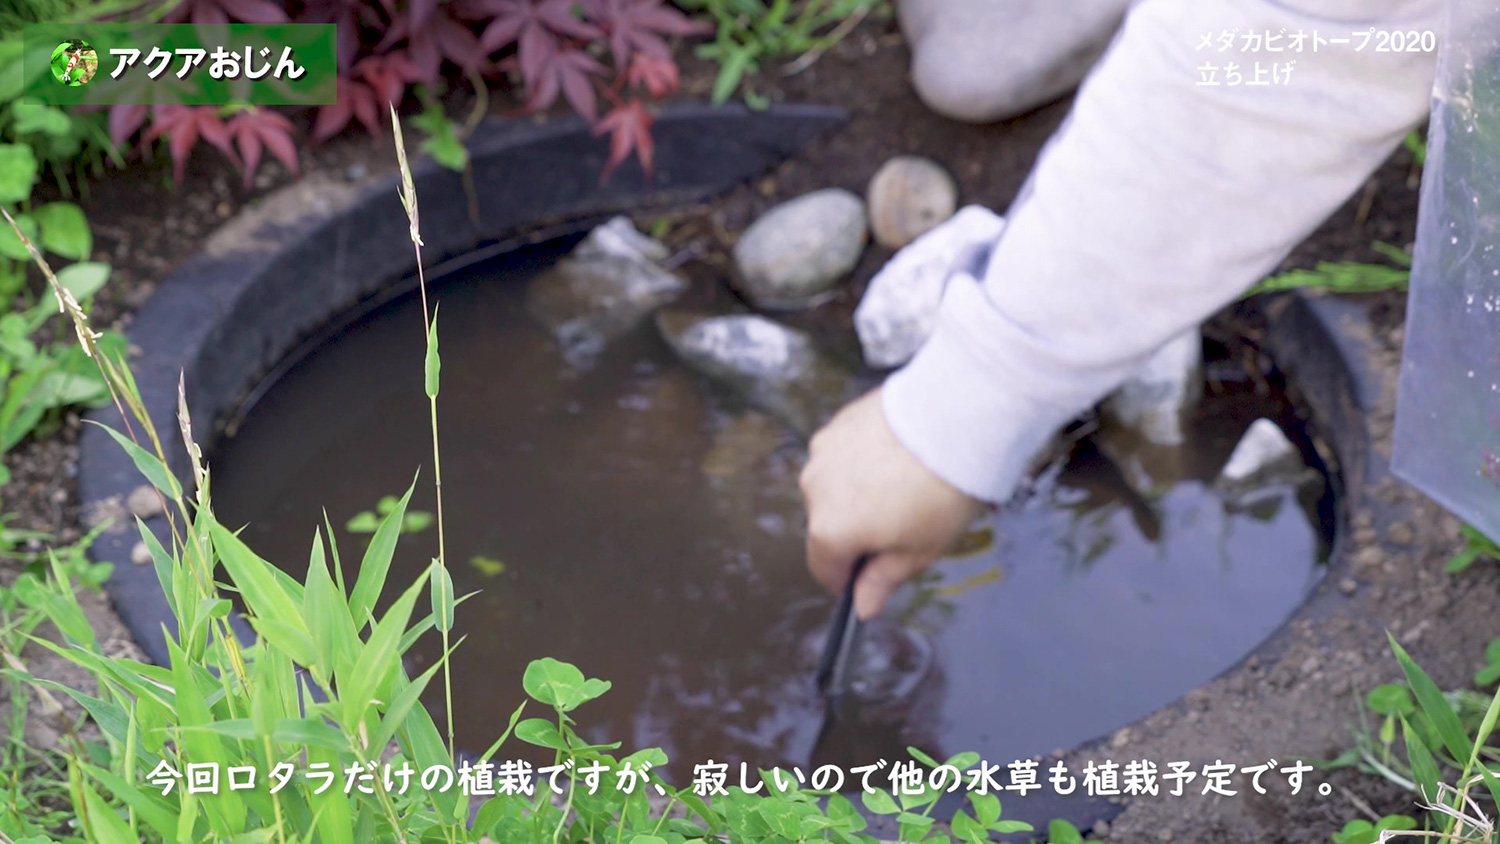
{"x":1302,"y":704}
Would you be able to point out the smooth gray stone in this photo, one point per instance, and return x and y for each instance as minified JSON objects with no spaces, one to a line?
{"x":985,"y":60}
{"x":801,"y":249}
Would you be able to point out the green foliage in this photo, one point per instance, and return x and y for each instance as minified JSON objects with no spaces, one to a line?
{"x":1062,"y":832}
{"x":36,"y":380}
{"x":1417,"y":146}
{"x":1477,"y":547}
{"x":325,"y":684}
{"x":33,"y":783}
{"x":368,"y":521}
{"x":750,"y":33}
{"x":1363,"y":832}
{"x":1446,"y":738}
{"x":442,"y":142}
{"x":1345,"y":276}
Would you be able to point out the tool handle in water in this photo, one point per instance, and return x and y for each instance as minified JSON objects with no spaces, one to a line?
{"x":842,"y":632}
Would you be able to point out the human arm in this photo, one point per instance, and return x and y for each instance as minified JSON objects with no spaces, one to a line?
{"x":1157,"y":202}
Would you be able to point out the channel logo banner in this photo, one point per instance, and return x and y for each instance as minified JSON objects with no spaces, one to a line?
{"x":179,"y":64}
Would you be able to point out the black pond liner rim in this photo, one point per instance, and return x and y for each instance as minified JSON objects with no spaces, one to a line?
{"x":268,"y":281}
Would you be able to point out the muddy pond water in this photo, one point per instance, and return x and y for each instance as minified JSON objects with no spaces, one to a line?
{"x":640,"y":522}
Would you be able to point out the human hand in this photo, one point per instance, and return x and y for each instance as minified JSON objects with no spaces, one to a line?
{"x":866,"y":494}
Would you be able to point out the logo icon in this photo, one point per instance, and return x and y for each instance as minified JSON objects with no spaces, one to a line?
{"x":74,"y":62}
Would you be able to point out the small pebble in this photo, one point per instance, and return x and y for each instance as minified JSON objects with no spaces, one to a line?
{"x":1101,"y":829}
{"x":356,"y":172}
{"x":1369,"y":557}
{"x":140,"y":554}
{"x":1401,"y":533}
{"x":1311,"y":664}
{"x":144,"y":501}
{"x":1120,"y":739}
{"x":1348,"y":586}
{"x":1164,"y":835}
{"x":908,"y":196}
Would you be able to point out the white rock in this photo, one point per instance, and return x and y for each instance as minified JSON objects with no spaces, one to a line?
{"x":609,"y":283}
{"x":1263,"y":450}
{"x":1154,"y":400}
{"x":900,"y":305}
{"x":778,"y":369}
{"x":908,"y":196}
{"x":986,"y":60}
{"x":619,"y":238}
{"x":798,"y":251}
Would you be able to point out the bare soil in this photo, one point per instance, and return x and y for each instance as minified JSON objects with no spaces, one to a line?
{"x":1301,"y":703}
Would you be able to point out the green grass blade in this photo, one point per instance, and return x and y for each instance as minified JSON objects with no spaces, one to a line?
{"x":377,"y":562}
{"x":1434,"y":705}
{"x":153,"y":469}
{"x":378,"y":659}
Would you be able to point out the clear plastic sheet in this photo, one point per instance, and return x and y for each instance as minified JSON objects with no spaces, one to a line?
{"x":1447,"y":439}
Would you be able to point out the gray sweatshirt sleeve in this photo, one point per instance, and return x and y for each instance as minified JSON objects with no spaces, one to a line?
{"x":1158,"y":201}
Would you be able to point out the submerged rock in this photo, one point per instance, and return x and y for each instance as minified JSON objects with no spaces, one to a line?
{"x":1263,"y":455}
{"x":900,"y":306}
{"x":908,"y":196}
{"x":610,"y":282}
{"x":776,"y":368}
{"x":745,"y":441}
{"x":1154,"y":400}
{"x":798,"y":251}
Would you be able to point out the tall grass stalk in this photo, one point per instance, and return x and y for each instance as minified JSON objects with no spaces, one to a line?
{"x":432,"y":366}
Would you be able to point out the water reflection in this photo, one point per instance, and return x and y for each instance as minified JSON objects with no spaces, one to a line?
{"x":643,"y":525}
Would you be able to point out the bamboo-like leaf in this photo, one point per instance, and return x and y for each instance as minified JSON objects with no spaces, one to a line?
{"x":401,"y":705}
{"x":1434,"y":705}
{"x":433,"y":364}
{"x":327,"y":614}
{"x":161,"y":561}
{"x":292,"y":732}
{"x":147,"y":463}
{"x":100,"y":821}
{"x":148,"y":808}
{"x":1423,"y":767}
{"x":227,"y":810}
{"x":335,"y":822}
{"x":252,"y":576}
{"x":377,"y":659}
{"x":442,"y":597}
{"x":377,"y":563}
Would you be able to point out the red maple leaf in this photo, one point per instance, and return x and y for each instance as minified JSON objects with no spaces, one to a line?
{"x":373,"y":82}
{"x":348,"y":17}
{"x":532,"y":24}
{"x":438,"y":35}
{"x":638,"y":26}
{"x":224,"y":11}
{"x":124,"y":121}
{"x":184,"y":125}
{"x":566,"y":71}
{"x":629,"y":128}
{"x":257,"y":128}
{"x":656,"y":74}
